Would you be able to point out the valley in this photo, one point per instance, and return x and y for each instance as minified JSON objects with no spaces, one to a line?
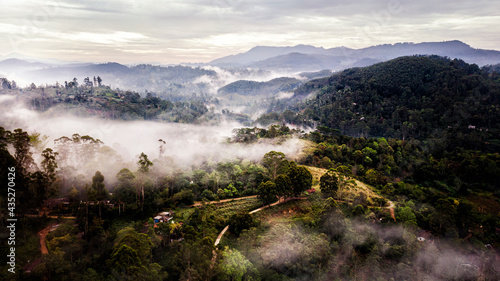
{"x":377,"y":168}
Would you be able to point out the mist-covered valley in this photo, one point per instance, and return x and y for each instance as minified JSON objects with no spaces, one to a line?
{"x":375,"y":173}
{"x":187,"y":146}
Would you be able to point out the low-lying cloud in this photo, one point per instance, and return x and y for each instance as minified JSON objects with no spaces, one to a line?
{"x":188,"y":145}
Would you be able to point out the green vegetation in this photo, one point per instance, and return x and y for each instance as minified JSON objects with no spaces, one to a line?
{"x":394,"y":185}
{"x":447,"y":103}
{"x":102,"y":101}
{"x":253,"y":88}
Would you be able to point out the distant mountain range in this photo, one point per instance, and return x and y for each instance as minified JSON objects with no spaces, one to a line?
{"x":259,"y":64}
{"x":171,"y":79}
{"x":310,"y":58}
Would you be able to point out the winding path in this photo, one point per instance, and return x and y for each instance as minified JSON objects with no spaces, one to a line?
{"x":219,"y":237}
{"x":221,"y":234}
{"x":43,"y":234}
{"x":391,"y":209}
{"x":255,"y":211}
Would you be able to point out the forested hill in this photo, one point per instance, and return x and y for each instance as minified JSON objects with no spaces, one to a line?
{"x":409,"y":97}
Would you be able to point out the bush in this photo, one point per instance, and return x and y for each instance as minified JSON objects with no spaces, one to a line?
{"x":208,"y":194}
{"x":239,"y":222}
{"x":186,"y":197}
{"x":358,"y":210}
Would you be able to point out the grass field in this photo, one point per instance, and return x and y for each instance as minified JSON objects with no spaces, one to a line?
{"x":355,"y":187}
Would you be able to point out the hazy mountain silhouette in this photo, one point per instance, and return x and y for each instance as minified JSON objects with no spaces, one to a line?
{"x":267,"y":56}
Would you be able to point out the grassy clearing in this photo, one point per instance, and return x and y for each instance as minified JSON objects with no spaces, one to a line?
{"x":353,"y":189}
{"x":316,"y":173}
{"x":284,"y":212}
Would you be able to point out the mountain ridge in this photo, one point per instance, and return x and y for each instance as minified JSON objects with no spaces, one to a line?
{"x":383,"y":52}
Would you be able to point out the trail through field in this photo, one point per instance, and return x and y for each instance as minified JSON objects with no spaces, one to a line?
{"x":219,"y":237}
{"x":255,"y":211}
{"x":391,"y":209}
{"x":276,"y":203}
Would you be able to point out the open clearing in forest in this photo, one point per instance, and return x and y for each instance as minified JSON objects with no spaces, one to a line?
{"x":356,"y":188}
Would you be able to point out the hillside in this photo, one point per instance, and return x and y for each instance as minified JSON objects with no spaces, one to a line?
{"x":260,"y":53}
{"x":104,"y":102}
{"x":253,"y":88}
{"x":409,"y":97}
{"x":137,"y":78}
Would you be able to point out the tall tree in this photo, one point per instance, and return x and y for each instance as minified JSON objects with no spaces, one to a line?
{"x":144,"y":165}
{"x":283,"y":186}
{"x":328,"y":183}
{"x":21,"y":142}
{"x":49,"y":163}
{"x":268,"y":192}
{"x":124,"y":192}
{"x":274,"y":162}
{"x":162,"y":147}
{"x":300,"y":178}
{"x":99,"y":189}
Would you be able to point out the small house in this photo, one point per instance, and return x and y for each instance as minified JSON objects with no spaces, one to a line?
{"x":163,"y":217}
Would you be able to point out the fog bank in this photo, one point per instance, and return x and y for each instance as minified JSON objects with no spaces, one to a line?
{"x":187,"y":144}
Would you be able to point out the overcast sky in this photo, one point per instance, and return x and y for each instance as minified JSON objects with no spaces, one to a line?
{"x":201,"y":30}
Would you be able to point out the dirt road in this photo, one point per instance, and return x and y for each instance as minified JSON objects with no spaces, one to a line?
{"x":391,"y":209}
{"x":43,"y":233}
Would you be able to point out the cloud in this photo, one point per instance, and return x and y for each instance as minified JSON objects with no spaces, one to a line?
{"x":188,"y":145}
{"x":230,"y":26}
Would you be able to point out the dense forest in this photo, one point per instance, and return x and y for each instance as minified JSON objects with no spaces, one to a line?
{"x":396,"y":181}
{"x":419,"y":97}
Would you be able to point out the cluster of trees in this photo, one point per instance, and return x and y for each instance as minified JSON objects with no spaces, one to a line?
{"x":379,"y":161}
{"x":5,"y":84}
{"x":87,"y":82}
{"x":287,"y":179}
{"x":250,"y":135}
{"x":443,"y":188}
{"x":373,"y":160}
{"x":34,"y":183}
{"x":105,"y":102}
{"x":123,"y":250}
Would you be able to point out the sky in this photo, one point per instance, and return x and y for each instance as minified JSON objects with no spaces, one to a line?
{"x":171,"y":32}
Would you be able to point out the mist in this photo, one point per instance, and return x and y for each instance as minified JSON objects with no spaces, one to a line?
{"x":187,"y":145}
{"x":348,"y":248}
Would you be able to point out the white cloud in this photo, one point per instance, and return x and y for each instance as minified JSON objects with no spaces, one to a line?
{"x":118,"y":37}
{"x":222,"y":27}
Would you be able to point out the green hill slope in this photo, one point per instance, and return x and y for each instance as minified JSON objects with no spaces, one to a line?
{"x":416,"y":97}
